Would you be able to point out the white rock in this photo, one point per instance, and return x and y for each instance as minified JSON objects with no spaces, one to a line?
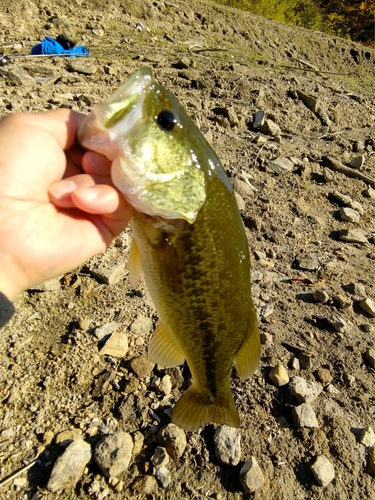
{"x":251,"y":476}
{"x":69,"y":467}
{"x":166,"y":385}
{"x":304,"y":390}
{"x":107,"y":329}
{"x":368,"y":305}
{"x":367,"y":437}
{"x":116,"y":345}
{"x":304,"y":416}
{"x":227,"y":441}
{"x":349,"y":214}
{"x":113,"y":453}
{"x":141,"y":325}
{"x":164,"y":476}
{"x":323,"y":471}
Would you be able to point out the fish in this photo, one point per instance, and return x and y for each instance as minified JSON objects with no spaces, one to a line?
{"x":188,"y":240}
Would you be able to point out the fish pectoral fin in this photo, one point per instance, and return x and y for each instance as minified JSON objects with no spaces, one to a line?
{"x":134,"y":264}
{"x":164,"y":350}
{"x":247,"y":357}
{"x":196,"y":409}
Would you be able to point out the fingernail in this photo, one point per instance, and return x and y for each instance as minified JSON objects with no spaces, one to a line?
{"x":62,"y":189}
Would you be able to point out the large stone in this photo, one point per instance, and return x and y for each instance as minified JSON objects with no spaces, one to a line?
{"x":323,"y":471}
{"x":304,"y":416}
{"x":227,"y":441}
{"x":251,"y":476}
{"x":304,"y":390}
{"x":113,"y":453}
{"x":173,"y":439}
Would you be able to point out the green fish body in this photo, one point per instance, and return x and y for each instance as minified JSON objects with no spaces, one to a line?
{"x":188,"y":239}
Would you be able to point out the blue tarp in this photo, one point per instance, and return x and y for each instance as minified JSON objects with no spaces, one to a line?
{"x":51,"y":46}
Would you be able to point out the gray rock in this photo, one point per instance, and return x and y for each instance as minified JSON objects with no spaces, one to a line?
{"x":269,"y":127}
{"x":353,"y":236}
{"x":189,"y":74}
{"x":160,"y":458}
{"x":141,"y":325}
{"x":258,"y":119}
{"x":113,"y":453}
{"x":104,"y":330}
{"x":279,"y":376}
{"x":281,"y":165}
{"x":69,"y":467}
{"x":51,"y":285}
{"x":304,"y":390}
{"x":349,"y":214}
{"x":173,"y":439}
{"x":65,"y":438}
{"x":370,"y":357}
{"x":369,"y":193}
{"x":142,"y":366}
{"x":344,"y":301}
{"x":227,"y":441}
{"x":116,"y":345}
{"x":358,"y":162}
{"x":356,"y":289}
{"x":337,"y":322}
{"x":367,"y":437}
{"x":79,"y":65}
{"x":323,"y":471}
{"x":164,"y":476}
{"x":371,"y":460}
{"x":304,"y":416}
{"x":251,"y":476}
{"x":242,"y":188}
{"x":368,"y":305}
{"x":320,"y":296}
{"x":108,"y":275}
{"x":308,"y":261}
{"x":305,"y":360}
{"x":328,"y":175}
{"x":311,"y":102}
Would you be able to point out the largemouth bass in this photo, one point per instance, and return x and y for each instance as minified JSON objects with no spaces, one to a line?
{"x":188,"y":239}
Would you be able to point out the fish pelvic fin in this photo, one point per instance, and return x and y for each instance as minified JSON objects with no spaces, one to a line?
{"x":247,"y":357}
{"x":163,"y":348}
{"x":134,"y":264}
{"x":196,"y":409}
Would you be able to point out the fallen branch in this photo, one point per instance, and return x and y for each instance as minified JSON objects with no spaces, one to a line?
{"x":350,"y":172}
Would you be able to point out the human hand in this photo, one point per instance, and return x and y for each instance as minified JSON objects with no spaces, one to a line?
{"x":58,"y":206}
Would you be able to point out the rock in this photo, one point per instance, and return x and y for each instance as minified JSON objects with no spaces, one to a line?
{"x":190,"y":74}
{"x":138,"y":440}
{"x":369,"y":193}
{"x":371,"y":460}
{"x":370,"y":357}
{"x":367,"y":437}
{"x":166,"y":385}
{"x":323,"y":471}
{"x":349,"y":214}
{"x":109,"y":275}
{"x":356,"y":289}
{"x":368,"y":305}
{"x":328,"y":175}
{"x":79,"y":65}
{"x":304,"y":416}
{"x":337,"y":322}
{"x":258,"y":119}
{"x":141,"y":325}
{"x":353,"y":236}
{"x":17,"y":76}
{"x":251,"y":476}
{"x":304,"y":390}
{"x":279,"y":376}
{"x":331,"y":389}
{"x":69,"y":467}
{"x":240,"y":201}
{"x":269,"y":127}
{"x":164,"y":476}
{"x":160,"y":458}
{"x":173,"y":439}
{"x":308,"y":261}
{"x":227,"y":441}
{"x":242,"y":188}
{"x":51,"y":285}
{"x":281,"y":165}
{"x":311,"y":102}
{"x":183,"y":63}
{"x":64,"y":438}
{"x":344,"y":301}
{"x":142,"y":366}
{"x":358,"y":162}
{"x":323,"y":376}
{"x":320,"y":296}
{"x":239,"y":68}
{"x":104,"y":330}
{"x":113,"y":453}
{"x":305,"y":360}
{"x":145,"y":484}
{"x":116,"y":345}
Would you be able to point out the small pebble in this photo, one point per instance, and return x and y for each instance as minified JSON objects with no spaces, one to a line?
{"x":353,"y":236}
{"x":164,"y":476}
{"x":305,"y":360}
{"x":308,"y":261}
{"x":337,"y":322}
{"x":160,"y":458}
{"x":368,"y":305}
{"x":367,"y":437}
{"x":227,"y":441}
{"x":323,"y":376}
{"x":320,"y":296}
{"x":142,"y":366}
{"x":138,"y":440}
{"x":141,"y":325}
{"x":344,"y":301}
{"x":145,"y":484}
{"x":279,"y":376}
{"x":104,"y":330}
{"x":251,"y":476}
{"x":304,"y":416}
{"x":116,"y":345}
{"x":323,"y":471}
{"x":166,"y":385}
{"x":64,"y":438}
{"x":349,"y":214}
{"x":173,"y":439}
{"x":304,"y":390}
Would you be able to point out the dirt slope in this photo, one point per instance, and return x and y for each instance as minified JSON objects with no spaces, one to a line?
{"x":318,"y":93}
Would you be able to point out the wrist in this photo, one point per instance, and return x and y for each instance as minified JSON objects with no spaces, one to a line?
{"x":11,"y":277}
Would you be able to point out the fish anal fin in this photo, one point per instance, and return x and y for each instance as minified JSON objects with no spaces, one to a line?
{"x":164,"y":350}
{"x":247,"y":357}
{"x":196,"y":409}
{"x":134,"y":264}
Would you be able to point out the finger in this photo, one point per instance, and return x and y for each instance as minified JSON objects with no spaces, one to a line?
{"x":96,"y":164}
{"x":100,"y":199}
{"x":60,"y":193}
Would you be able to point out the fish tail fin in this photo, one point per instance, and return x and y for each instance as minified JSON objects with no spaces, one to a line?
{"x":196,"y":409}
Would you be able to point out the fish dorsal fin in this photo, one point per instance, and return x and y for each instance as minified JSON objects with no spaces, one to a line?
{"x":164,"y":350}
{"x":134,"y":264}
{"x":247,"y":357}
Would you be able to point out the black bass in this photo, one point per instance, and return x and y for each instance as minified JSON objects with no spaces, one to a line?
{"x":188,"y":239}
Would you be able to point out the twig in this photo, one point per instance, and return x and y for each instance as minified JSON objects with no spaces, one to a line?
{"x":10,"y":478}
{"x":350,"y":172}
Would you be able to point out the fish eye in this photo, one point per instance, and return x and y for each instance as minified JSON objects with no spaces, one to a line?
{"x":167,"y":120}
